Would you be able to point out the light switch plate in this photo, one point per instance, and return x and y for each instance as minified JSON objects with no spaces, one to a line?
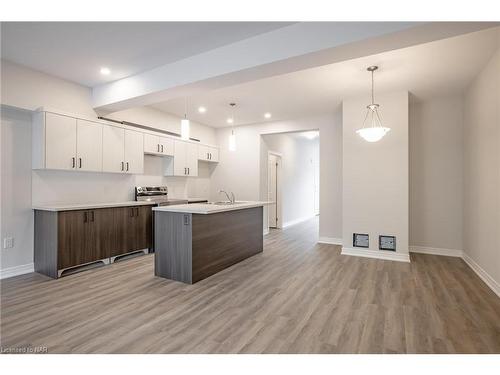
{"x":8,"y":242}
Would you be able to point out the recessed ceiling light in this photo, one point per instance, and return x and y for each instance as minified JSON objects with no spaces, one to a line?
{"x":105,"y":71}
{"x":267,"y":115}
{"x":202,"y":109}
{"x":229,"y":120}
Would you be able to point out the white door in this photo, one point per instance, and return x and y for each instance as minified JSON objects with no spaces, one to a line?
{"x":113,"y":149}
{"x":192,"y":159}
{"x":134,"y":152}
{"x":214,"y":154}
{"x":88,"y":146}
{"x":60,"y":142}
{"x":166,"y":146}
{"x":152,"y":144}
{"x":180,"y":151}
{"x":272,"y":191}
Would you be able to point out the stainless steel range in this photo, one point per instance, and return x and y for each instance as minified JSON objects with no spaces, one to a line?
{"x":156,"y":194}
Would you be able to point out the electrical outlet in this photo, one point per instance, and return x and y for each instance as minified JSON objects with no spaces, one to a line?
{"x":8,"y":242}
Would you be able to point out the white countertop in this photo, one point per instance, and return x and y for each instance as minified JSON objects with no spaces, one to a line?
{"x":205,"y":208}
{"x":88,"y":206}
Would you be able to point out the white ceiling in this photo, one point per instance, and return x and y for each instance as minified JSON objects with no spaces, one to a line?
{"x":425,"y":70}
{"x":77,"y":50}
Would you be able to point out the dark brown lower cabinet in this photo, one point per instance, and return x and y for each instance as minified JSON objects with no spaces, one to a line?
{"x":133,"y":229}
{"x":84,"y":236}
{"x":67,"y":239}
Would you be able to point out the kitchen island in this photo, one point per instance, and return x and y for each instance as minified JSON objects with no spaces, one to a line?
{"x":195,"y":241}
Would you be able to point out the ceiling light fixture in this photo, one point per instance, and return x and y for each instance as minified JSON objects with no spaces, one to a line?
{"x":373,"y":131}
{"x":185,"y":123}
{"x":202,"y":109}
{"x":267,"y":115}
{"x":232,"y":137}
{"x":105,"y":71}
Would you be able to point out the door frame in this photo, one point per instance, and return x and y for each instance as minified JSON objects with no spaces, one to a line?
{"x":279,"y":179}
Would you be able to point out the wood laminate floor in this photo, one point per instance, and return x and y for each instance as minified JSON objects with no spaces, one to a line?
{"x":296,"y":297}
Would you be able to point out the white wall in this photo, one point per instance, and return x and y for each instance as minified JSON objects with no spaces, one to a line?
{"x":16,"y":214}
{"x":375,"y":175}
{"x":436,"y":172}
{"x":482,"y":173}
{"x":245,"y":171}
{"x":299,"y":161}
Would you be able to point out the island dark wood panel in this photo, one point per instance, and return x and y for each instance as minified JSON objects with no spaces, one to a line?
{"x":191,"y":247}
{"x":223,"y":239}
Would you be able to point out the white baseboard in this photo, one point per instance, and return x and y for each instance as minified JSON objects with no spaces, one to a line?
{"x":266,"y":231}
{"x":436,"y":251}
{"x":297,"y":221}
{"x":385,"y":255}
{"x":330,"y":240}
{"x":17,"y":270}
{"x":483,"y":275}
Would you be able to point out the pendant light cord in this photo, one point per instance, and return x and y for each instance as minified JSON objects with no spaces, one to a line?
{"x":373,"y":97}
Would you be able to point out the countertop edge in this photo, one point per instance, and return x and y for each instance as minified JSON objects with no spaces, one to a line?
{"x":192,"y":210}
{"x":90,"y":206}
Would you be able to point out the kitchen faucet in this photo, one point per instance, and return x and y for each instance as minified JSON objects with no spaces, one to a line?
{"x":231,"y":198}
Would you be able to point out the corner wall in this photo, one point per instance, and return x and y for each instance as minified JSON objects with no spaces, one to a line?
{"x":482,"y":173}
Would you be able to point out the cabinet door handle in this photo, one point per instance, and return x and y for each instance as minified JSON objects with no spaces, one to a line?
{"x":188,"y":170}
{"x":73,"y":161}
{"x":137,"y":211}
{"x":158,"y":147}
{"x":85,"y":217}
{"x":132,"y":212}
{"x":123,"y":165}
{"x":92,"y":219}
{"x":127,"y":166}
{"x":80,"y":162}
{"x":162,"y":148}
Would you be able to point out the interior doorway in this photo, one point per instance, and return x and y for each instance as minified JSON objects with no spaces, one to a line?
{"x":274,"y":164}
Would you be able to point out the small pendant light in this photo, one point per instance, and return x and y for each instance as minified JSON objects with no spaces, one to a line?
{"x":372,"y":130}
{"x":232,"y":137}
{"x":185,"y":123}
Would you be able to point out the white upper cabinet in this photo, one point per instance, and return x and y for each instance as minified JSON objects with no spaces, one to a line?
{"x":60,"y":142}
{"x":167,"y":146}
{"x":185,"y":160}
{"x":151,"y":144}
{"x":208,"y":153}
{"x":64,"y":142}
{"x":123,"y":150}
{"x":134,"y":152}
{"x":156,"y":145}
{"x":113,"y":149}
{"x":88,"y":146}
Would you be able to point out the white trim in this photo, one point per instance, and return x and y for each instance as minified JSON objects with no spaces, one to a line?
{"x":483,"y":275}
{"x":266,"y":231}
{"x":436,"y":251}
{"x":297,"y":221}
{"x":330,"y":240}
{"x":17,"y":270}
{"x":378,"y":254}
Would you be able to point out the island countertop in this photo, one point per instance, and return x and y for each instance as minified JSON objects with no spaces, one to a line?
{"x":209,"y":208}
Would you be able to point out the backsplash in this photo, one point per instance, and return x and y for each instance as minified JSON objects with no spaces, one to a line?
{"x":50,"y":186}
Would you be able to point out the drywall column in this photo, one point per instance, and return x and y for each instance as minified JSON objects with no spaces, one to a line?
{"x":375,"y":178}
